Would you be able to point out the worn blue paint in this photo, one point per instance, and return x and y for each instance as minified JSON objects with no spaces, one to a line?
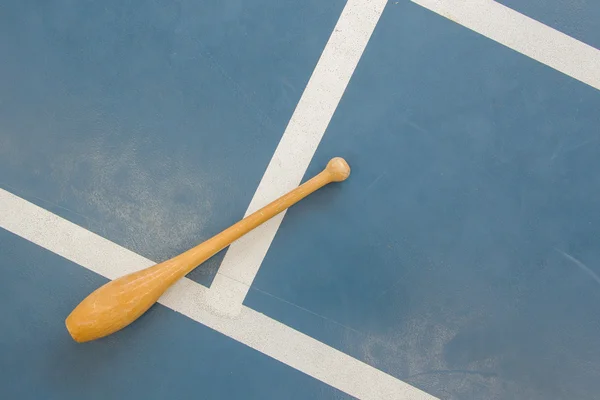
{"x":460,"y":255}
{"x":163,"y":355}
{"x":151,"y":123}
{"x":577,"y":18}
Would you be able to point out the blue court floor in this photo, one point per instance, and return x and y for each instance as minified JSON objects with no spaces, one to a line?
{"x":460,"y":260}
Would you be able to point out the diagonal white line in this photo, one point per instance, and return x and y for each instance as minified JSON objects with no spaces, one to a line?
{"x":297,"y":146}
{"x":187,"y":297}
{"x":328,"y":83}
{"x":523,"y":34}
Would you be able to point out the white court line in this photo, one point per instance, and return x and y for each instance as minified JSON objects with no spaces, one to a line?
{"x":297,"y":147}
{"x":523,"y":34}
{"x":251,"y":328}
{"x":326,"y":87}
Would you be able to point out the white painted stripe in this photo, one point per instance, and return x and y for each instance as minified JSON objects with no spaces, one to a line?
{"x":298,"y":144}
{"x":523,"y":34}
{"x":67,"y":239}
{"x":251,"y":328}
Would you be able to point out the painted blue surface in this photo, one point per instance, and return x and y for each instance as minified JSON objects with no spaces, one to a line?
{"x":463,"y":253}
{"x":577,"y":18}
{"x":163,"y":355}
{"x":151,"y":123}
{"x":462,"y":256}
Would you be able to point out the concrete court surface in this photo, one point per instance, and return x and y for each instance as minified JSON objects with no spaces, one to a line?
{"x":461,"y":259}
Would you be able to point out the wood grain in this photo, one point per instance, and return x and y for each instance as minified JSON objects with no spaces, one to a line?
{"x":120,"y":302}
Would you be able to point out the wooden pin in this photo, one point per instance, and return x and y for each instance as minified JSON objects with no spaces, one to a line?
{"x":120,"y":302}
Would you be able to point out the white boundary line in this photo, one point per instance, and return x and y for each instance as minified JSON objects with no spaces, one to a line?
{"x":251,"y":328}
{"x":523,"y":34}
{"x":327,"y":85}
{"x":297,"y":146}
